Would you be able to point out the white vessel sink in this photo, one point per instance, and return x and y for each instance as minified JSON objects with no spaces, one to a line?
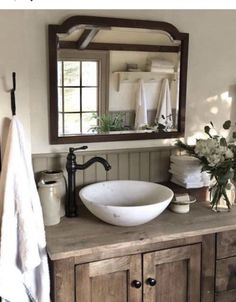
{"x":126,"y":202}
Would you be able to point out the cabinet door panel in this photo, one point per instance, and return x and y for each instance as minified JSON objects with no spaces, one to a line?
{"x":226,"y":274}
{"x":177,"y":272}
{"x":226,"y":244}
{"x":109,"y":280}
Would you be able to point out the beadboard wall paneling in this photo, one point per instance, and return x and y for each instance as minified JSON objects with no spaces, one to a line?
{"x":136,"y":164}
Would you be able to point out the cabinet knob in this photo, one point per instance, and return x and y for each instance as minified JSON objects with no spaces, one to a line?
{"x":136,"y":283}
{"x":151,"y":281}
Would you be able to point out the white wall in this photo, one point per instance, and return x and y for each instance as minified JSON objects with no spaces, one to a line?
{"x":211,"y":72}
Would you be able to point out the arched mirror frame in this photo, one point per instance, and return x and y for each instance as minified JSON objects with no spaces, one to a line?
{"x":67,"y":25}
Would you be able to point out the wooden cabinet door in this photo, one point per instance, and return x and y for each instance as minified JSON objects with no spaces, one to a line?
{"x":109,"y":280}
{"x":177,"y":272}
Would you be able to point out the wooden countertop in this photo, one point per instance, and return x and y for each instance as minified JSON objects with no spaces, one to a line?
{"x":75,"y":237}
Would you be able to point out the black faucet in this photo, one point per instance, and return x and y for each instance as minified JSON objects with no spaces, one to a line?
{"x":72,"y":167}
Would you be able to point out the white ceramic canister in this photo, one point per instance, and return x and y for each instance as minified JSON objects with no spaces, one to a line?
{"x":58,"y":176}
{"x":50,"y":201}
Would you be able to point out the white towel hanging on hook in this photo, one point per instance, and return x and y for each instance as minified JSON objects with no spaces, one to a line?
{"x":141,"y":107}
{"x":164,"y":111}
{"x":24,"y":274}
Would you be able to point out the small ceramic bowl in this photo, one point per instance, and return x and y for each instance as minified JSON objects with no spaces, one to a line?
{"x":181,"y":207}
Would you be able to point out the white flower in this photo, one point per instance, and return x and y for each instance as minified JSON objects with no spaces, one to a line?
{"x":212,"y":151}
{"x":229,"y":154}
{"x":214,"y":159}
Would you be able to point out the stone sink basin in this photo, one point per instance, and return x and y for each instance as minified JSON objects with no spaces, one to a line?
{"x":126,"y":202}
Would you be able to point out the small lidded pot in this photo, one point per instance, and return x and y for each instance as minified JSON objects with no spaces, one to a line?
{"x":181,"y":203}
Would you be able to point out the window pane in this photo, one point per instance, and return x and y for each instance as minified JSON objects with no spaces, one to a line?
{"x":60,"y":128}
{"x":71,"y":99}
{"x":59,"y":73}
{"x":71,"y":73}
{"x":72,"y":123}
{"x":89,"y":99}
{"x":59,"y":99}
{"x":89,"y":73}
{"x":88,"y":122}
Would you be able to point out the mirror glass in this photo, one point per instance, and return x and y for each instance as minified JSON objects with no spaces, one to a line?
{"x":113,"y":82}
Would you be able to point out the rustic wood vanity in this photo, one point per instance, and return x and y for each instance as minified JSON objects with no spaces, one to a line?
{"x":176,"y":257}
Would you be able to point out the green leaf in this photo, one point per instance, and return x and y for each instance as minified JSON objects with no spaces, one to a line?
{"x":234,"y":134}
{"x":227,"y":124}
{"x":161,"y":127}
{"x":207,"y":130}
{"x":211,"y":124}
{"x":223,"y":142}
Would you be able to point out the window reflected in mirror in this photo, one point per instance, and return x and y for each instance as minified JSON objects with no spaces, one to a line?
{"x":79,"y":86}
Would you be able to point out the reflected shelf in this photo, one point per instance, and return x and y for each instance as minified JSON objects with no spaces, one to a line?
{"x":126,"y":77}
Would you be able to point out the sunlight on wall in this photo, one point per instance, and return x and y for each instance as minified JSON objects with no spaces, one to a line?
{"x":214,"y":110}
{"x":212,"y":99}
{"x":218,"y":110}
{"x":226,"y":98}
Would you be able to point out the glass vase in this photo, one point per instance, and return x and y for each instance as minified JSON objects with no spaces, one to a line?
{"x":222,"y":196}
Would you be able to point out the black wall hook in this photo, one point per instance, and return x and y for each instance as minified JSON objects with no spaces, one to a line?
{"x":13,"y":101}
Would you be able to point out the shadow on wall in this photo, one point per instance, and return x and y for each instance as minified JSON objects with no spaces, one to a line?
{"x":217,"y":109}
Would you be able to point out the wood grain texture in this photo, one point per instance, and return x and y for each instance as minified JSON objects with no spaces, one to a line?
{"x":86,"y":235}
{"x":228,"y":296}
{"x":226,"y":244}
{"x":145,"y":166}
{"x":134,"y":166}
{"x":109,"y":280}
{"x":177,"y":272}
{"x":208,"y":268}
{"x":62,"y":280}
{"x":123,"y":164}
{"x":226,"y":274}
{"x":149,"y":164}
{"x":155,"y":173}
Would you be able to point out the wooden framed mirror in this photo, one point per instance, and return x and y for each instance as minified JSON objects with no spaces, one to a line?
{"x":101,"y":68}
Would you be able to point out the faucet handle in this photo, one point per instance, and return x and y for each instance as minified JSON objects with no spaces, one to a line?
{"x":71,"y":150}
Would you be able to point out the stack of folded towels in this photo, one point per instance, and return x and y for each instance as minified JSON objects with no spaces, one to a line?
{"x":160,"y":65}
{"x":186,"y":172}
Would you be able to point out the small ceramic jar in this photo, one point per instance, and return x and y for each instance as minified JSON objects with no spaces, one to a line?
{"x":50,"y":201}
{"x":58,"y":176}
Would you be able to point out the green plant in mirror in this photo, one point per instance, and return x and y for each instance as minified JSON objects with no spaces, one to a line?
{"x":108,"y":122}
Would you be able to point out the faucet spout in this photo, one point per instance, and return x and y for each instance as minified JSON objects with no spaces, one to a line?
{"x":93,"y":160}
{"x":72,"y":167}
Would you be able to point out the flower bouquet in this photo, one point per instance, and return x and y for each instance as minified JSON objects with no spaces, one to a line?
{"x":218,"y":158}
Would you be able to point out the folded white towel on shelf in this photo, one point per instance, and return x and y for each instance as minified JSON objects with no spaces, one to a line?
{"x":141,"y":107}
{"x":158,"y":62}
{"x":187,"y":178}
{"x":164,"y":111}
{"x":185,"y":159}
{"x":24,"y":274}
{"x":185,"y":170}
{"x":160,"y":69}
{"x":187,"y":185}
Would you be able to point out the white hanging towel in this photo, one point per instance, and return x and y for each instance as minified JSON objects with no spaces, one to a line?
{"x":164,"y":112}
{"x":24,"y":274}
{"x":141,"y":107}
